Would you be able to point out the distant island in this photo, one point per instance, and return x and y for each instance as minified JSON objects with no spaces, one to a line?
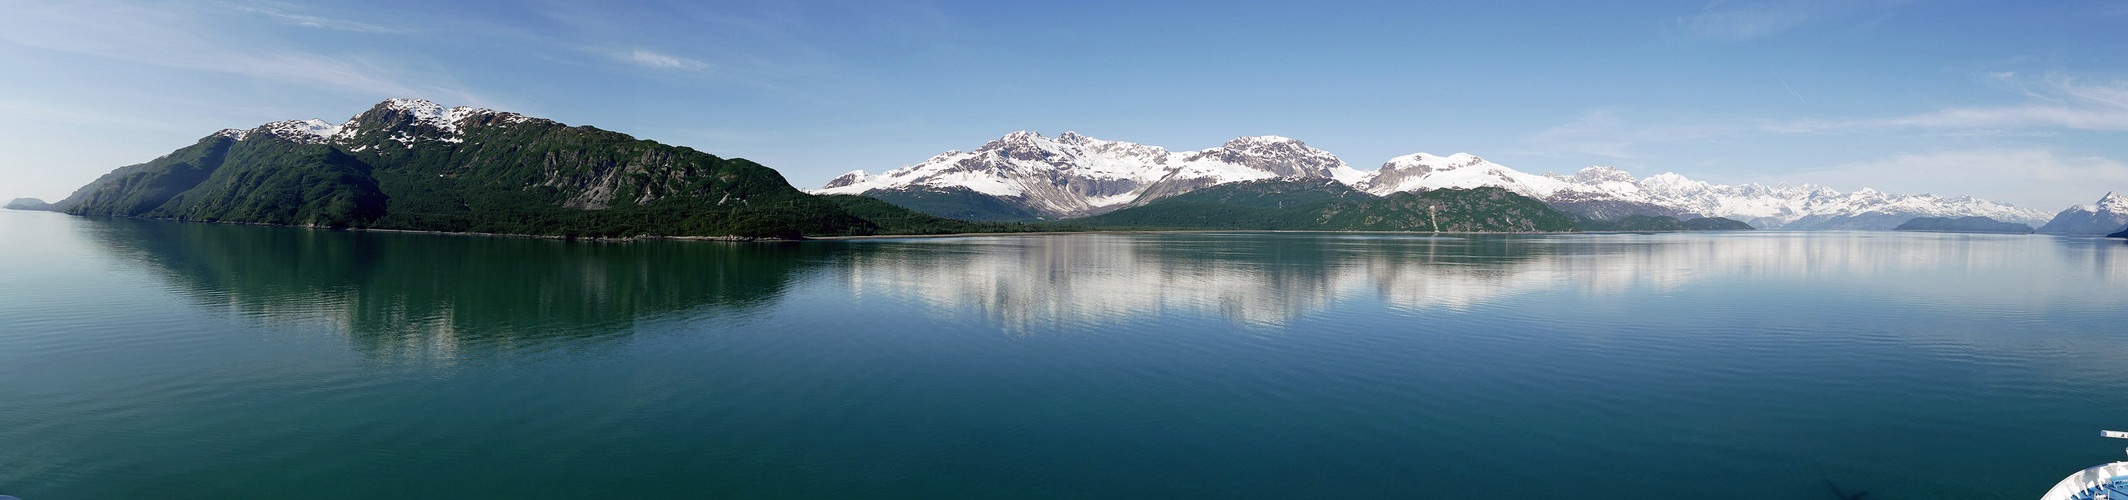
{"x":1963,"y":225}
{"x":27,"y":204}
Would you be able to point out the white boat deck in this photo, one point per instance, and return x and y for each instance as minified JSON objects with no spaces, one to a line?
{"x":2104,"y":482}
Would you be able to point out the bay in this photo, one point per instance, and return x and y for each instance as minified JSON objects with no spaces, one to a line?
{"x":149,"y":359}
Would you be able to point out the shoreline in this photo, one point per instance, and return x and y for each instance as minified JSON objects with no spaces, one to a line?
{"x":1164,"y":231}
{"x":755,"y":239}
{"x":731,"y":239}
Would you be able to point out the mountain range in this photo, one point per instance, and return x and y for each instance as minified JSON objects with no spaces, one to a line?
{"x":1025,"y":175}
{"x":410,"y":164}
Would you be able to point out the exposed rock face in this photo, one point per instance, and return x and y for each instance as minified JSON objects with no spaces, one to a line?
{"x":2105,"y":217}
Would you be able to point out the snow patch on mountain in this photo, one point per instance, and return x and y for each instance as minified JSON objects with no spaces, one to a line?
{"x":427,"y":113}
{"x":311,"y":131}
{"x":446,"y":124}
{"x":2111,"y":203}
{"x":1425,"y":172}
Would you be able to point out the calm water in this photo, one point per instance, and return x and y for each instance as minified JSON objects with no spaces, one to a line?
{"x":169,"y":360}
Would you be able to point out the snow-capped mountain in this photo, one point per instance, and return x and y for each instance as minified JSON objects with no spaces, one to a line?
{"x":427,"y":121}
{"x":1073,"y":175}
{"x":2107,"y":216}
{"x":1607,"y":193}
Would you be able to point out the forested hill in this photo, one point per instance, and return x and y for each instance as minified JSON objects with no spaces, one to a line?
{"x":1315,"y":205}
{"x":412,"y":165}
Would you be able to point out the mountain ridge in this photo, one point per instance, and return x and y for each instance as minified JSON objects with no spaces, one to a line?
{"x":2108,"y":215}
{"x":1602,"y":193}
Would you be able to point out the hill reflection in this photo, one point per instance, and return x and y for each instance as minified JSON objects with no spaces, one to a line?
{"x":431,"y":297}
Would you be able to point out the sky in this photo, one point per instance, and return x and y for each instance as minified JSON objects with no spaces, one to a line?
{"x":2023,"y":102}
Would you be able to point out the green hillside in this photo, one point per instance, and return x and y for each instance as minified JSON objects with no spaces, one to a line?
{"x":955,"y":203}
{"x":1324,"y":206}
{"x":486,"y":173}
{"x":1716,"y":224}
{"x":891,"y":219}
{"x":1660,"y":223}
{"x":1963,"y":225}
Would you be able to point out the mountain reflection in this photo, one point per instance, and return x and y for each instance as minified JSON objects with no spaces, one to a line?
{"x":1255,"y":279}
{"x":1025,"y":284}
{"x":431,"y":297}
{"x":427,"y":297}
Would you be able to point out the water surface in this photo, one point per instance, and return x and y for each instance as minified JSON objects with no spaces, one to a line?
{"x":143,"y":359}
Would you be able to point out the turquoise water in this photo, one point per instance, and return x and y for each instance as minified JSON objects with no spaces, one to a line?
{"x":145,"y":359}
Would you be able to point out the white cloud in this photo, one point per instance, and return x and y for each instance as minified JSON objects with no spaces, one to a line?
{"x":2055,"y":102}
{"x":2033,"y":178}
{"x":661,"y":61}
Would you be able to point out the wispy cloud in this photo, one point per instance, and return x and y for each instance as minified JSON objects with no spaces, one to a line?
{"x":1604,"y":132}
{"x":796,"y":50}
{"x":283,"y":13}
{"x":661,"y":61}
{"x":2033,"y":178}
{"x":1726,"y":20}
{"x":181,"y":37}
{"x":2055,"y":102}
{"x":1737,"y":20}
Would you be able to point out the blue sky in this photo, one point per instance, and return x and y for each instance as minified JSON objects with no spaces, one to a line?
{"x":2024,"y":102}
